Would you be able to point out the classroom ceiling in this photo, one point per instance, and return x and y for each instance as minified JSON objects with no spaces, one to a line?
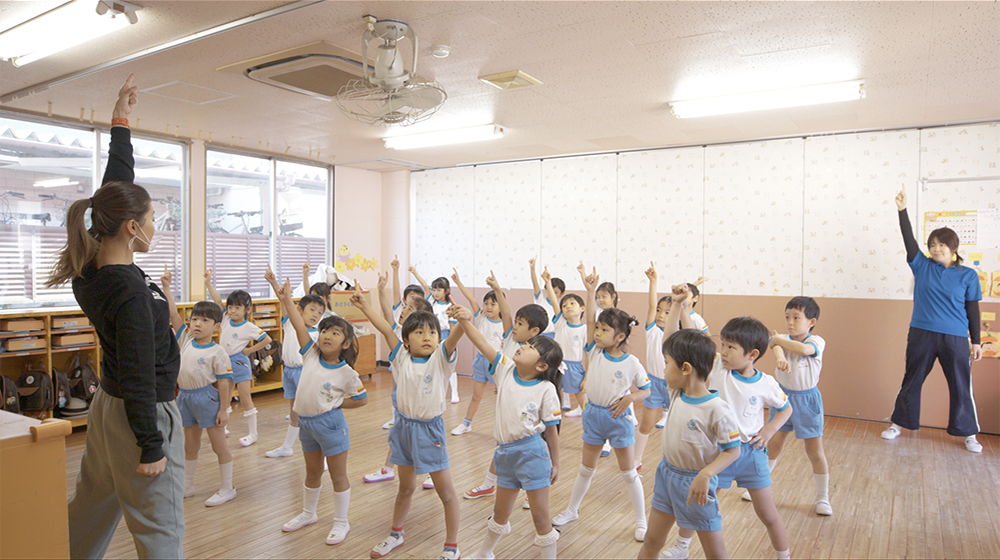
{"x":607,"y":69}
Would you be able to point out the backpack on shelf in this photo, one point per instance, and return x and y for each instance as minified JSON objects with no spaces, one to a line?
{"x":11,"y":401}
{"x":34,"y":388}
{"x":83,"y":379}
{"x":265,"y":359}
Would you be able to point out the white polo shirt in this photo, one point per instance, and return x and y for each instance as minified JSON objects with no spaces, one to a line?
{"x":803,"y":371}
{"x":323,"y":386}
{"x":609,"y":378}
{"x":697,"y":430}
{"x":421,"y":383}
{"x":201,"y":364}
{"x":524,"y":406}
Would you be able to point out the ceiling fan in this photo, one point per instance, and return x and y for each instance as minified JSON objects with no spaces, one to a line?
{"x":388,"y":94}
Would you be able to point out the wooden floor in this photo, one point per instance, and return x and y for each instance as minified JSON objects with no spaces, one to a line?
{"x":920,"y":496}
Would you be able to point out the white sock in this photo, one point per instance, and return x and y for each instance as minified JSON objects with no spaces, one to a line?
{"x":635,"y":495}
{"x":341,"y":503}
{"x":580,"y":487}
{"x":290,"y":436}
{"x":189,"y":468}
{"x":770,"y":464}
{"x":226,"y":470}
{"x":822,"y":487}
{"x":490,"y":480}
{"x":640,"y":445}
{"x":453,"y":382}
{"x":310,"y":498}
{"x":494,"y":531}
{"x":783,"y":554}
{"x":565,"y":401}
{"x":683,"y":542}
{"x":251,"y":416}
{"x":548,"y":544}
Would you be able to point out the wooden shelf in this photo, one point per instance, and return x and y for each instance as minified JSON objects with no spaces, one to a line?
{"x":20,"y":334}
{"x":72,"y":330}
{"x":80,"y":421}
{"x":265,"y":386}
{"x":60,"y":349}
{"x":42,"y":352}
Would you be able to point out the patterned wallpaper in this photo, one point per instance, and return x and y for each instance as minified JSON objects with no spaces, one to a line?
{"x":785,"y":217}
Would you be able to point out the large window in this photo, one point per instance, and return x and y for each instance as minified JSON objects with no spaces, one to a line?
{"x":238,"y":217}
{"x":303,"y":218}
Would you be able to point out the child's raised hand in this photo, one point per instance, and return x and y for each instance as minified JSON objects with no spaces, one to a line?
{"x":491,"y":281}
{"x":395,"y":262}
{"x":412,"y":268}
{"x":680,"y":293}
{"x":166,"y":277}
{"x":383,"y":280}
{"x":546,"y":275}
{"x":208,"y":275}
{"x":582,"y":270}
{"x":459,"y":313}
{"x":591,"y":280}
{"x":454,"y":276}
{"x":701,"y":280}
{"x":651,"y":271}
{"x":306,"y":266}
{"x":531,"y":262}
{"x":271,"y":279}
{"x":284,"y":292}
{"x":901,"y":199}
{"x":358,"y":297}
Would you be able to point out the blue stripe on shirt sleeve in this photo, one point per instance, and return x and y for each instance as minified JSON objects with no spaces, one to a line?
{"x":729,"y":445}
{"x":550,"y":422}
{"x":263,"y":335}
{"x":646,"y":386}
{"x":181,"y":331}
{"x":783,"y":407}
{"x":493,"y":365}
{"x":815,"y":347}
{"x":589,"y":346}
{"x":359,"y":397}
{"x":392,"y":355}
{"x":306,"y":348}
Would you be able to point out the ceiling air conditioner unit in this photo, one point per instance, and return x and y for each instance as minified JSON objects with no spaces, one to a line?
{"x":315,"y":75}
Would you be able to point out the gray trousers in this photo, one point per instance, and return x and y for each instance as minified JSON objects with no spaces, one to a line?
{"x":108,"y":485}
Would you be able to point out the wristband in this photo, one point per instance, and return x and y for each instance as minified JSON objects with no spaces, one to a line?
{"x":121,"y":122}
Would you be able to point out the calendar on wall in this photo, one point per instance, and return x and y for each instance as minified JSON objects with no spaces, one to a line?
{"x":964,"y":222}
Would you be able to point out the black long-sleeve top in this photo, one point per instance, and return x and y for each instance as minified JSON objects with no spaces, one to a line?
{"x":132,"y":319}
{"x":912,"y":248}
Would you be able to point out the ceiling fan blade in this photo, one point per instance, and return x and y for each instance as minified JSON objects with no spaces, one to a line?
{"x":420,"y":97}
{"x":391,"y":104}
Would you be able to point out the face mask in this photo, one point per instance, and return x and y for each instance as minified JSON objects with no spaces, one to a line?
{"x":149,"y":243}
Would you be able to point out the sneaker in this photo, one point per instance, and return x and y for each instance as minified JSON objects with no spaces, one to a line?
{"x":606,"y":450}
{"x":387,"y":425}
{"x":279,"y":452}
{"x":575,"y":413}
{"x":300,"y":521}
{"x":823,"y":508}
{"x":972,"y":445}
{"x":892,"y":432}
{"x":381,"y":475}
{"x":676,"y":552}
{"x":453,"y":554}
{"x":386,"y":546}
{"x":247,"y":441}
{"x":227,"y":432}
{"x":662,"y":422}
{"x":640,"y":532}
{"x":526,"y":505}
{"x":745,"y":496}
{"x":338,"y":533}
{"x":565,"y":517}
{"x":188,"y":492}
{"x":288,"y":417}
{"x":326,"y":466}
{"x":461,"y":429}
{"x":428,"y":484}
{"x":480,"y":491}
{"x":221,"y":497}
{"x":454,"y":399}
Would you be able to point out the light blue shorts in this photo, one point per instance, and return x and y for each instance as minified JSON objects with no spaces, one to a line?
{"x":573,"y":377}
{"x":241,"y":368}
{"x":599,"y":426}
{"x":418,"y":443}
{"x":480,"y":367}
{"x":658,"y":397}
{"x":199,"y":406}
{"x":325,"y":432}
{"x":523,"y":464}
{"x":807,"y":413}
{"x":290,"y":380}
{"x":670,"y":494}
{"x":750,"y":471}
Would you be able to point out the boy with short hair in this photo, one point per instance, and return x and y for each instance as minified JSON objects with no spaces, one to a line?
{"x":798,"y":375}
{"x":412,"y":292}
{"x":542,"y":298}
{"x":571,"y":334}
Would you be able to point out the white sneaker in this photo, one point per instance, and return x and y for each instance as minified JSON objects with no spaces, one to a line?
{"x":823,"y":507}
{"x":972,"y":445}
{"x":300,"y":521}
{"x":676,"y":552}
{"x":526,"y":505}
{"x":565,"y":517}
{"x":575,"y":413}
{"x":188,"y":492}
{"x":381,"y":475}
{"x":606,"y":450}
{"x":428,"y":484}
{"x":640,"y":532}
{"x":386,"y":546}
{"x":892,"y":432}
{"x":450,"y":555}
{"x":454,"y":399}
{"x":326,"y":465}
{"x":662,"y":421}
{"x":338,"y":533}
{"x":221,"y":497}
{"x":745,"y":496}
{"x":461,"y":429}
{"x":388,"y":424}
{"x":279,"y":452}
{"x":247,"y":441}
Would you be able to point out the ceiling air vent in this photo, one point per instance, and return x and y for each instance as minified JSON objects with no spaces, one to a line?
{"x":510,"y":80}
{"x":318,"y":69}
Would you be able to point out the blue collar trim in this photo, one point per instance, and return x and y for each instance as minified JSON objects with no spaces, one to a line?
{"x":611,"y":358}
{"x":328,"y":365}
{"x":752,"y":379}
{"x":232,"y":324}
{"x":525,"y":382}
{"x":712,"y":394}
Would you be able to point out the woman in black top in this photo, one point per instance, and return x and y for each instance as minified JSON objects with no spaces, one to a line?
{"x":132,"y":464}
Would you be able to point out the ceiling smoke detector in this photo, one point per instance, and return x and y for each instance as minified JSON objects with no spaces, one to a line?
{"x":440,"y":51}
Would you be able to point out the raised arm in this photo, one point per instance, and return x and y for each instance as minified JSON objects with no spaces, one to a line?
{"x":792,"y":345}
{"x":651,"y":313}
{"x":590,"y":282}
{"x":679,"y":296}
{"x":383,"y":299}
{"x":420,"y":279}
{"x":380,"y":324}
{"x":284,"y":293}
{"x":465,"y":292}
{"x":464,"y":318}
{"x":534,"y":277}
{"x":396,"y":295}
{"x":176,"y":321}
{"x":211,"y":290}
{"x":121,"y":163}
{"x":505,"y":315}
{"x":910,"y":242}
{"x":306,"y":266}
{"x":550,"y":292}
{"x":452,"y":341}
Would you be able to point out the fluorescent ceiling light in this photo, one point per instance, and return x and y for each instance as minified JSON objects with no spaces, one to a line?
{"x":774,"y":99}
{"x":56,"y":30}
{"x":445,"y":137}
{"x":60,"y":182}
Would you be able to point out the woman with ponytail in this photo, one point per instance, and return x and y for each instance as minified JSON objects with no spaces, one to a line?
{"x":132,"y":464}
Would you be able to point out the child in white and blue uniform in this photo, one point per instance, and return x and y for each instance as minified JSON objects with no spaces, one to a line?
{"x":421,"y":365}
{"x":571,"y":335}
{"x":611,"y":372}
{"x":542,"y":298}
{"x":328,"y":384}
{"x":700,"y":439}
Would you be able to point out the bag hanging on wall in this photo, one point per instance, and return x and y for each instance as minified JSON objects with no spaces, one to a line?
{"x":11,"y":402}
